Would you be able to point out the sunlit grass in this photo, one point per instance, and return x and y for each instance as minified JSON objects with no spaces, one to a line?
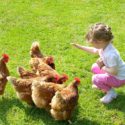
{"x":56,"y":23}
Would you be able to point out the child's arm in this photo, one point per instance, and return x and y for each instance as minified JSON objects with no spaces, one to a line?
{"x":111,"y":70}
{"x":85,"y":48}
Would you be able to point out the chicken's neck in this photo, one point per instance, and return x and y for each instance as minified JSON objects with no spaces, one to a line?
{"x":3,"y":68}
{"x":73,"y":87}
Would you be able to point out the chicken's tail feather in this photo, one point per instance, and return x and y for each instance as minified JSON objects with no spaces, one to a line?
{"x":11,"y":79}
{"x":35,"y":45}
{"x":35,"y":50}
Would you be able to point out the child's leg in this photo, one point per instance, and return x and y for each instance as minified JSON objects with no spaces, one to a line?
{"x":96,"y":69}
{"x":100,"y":80}
{"x":106,"y":82}
{"x":110,"y":95}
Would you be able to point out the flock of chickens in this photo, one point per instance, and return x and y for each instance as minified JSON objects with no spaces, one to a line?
{"x":43,"y":86}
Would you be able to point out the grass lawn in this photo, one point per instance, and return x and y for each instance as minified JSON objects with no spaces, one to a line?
{"x":56,"y":23}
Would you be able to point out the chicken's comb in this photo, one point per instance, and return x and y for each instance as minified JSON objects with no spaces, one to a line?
{"x":5,"y":57}
{"x":65,"y":76}
{"x":50,"y":59}
{"x":77,"y":79}
{"x":56,"y":77}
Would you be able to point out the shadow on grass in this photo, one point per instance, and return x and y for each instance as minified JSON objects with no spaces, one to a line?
{"x":37,"y":115}
{"x":42,"y":116}
{"x":81,"y":121}
{"x":118,"y":103}
{"x":5,"y":105}
{"x":45,"y":117}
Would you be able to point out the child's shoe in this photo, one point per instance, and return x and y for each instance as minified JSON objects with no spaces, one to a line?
{"x":111,"y":94}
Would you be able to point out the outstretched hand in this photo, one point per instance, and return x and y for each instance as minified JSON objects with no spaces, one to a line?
{"x":73,"y":44}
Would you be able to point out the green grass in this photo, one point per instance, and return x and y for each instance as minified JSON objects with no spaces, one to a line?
{"x":56,"y":23}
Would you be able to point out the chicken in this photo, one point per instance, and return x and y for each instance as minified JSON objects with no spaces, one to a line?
{"x":42,"y":69}
{"x":35,"y":62}
{"x":23,"y":86}
{"x":42,"y":93}
{"x":25,"y":74}
{"x":4,"y":72}
{"x":35,"y":50}
{"x":64,"y":101}
{"x":51,"y":77}
{"x":42,"y":65}
{"x":36,"y":53}
{"x":49,"y":60}
{"x":62,"y":78}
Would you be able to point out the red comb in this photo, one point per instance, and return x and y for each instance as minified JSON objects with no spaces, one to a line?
{"x":56,"y":77}
{"x":50,"y":59}
{"x":77,"y":80}
{"x":65,"y":76}
{"x":5,"y":58}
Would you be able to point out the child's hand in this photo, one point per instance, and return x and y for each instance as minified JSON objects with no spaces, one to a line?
{"x":111,"y":70}
{"x":100,"y":63}
{"x":73,"y":44}
{"x":104,"y":68}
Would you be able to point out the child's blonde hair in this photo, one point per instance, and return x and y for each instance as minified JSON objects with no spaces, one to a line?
{"x":99,"y":32}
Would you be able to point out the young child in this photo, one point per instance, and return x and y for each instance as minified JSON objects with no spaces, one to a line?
{"x":109,"y":70}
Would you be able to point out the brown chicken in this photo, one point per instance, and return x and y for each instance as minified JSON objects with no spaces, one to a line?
{"x":23,"y":86}
{"x":35,"y":62}
{"x":4,"y":72}
{"x":64,"y":101}
{"x":36,"y":53}
{"x":42,"y":65}
{"x":42,"y":69}
{"x":25,"y":74}
{"x":42,"y":93}
{"x":51,"y":77}
{"x":35,"y":50}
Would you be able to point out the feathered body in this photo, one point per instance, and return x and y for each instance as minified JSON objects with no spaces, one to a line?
{"x":64,"y":101}
{"x":36,"y":54}
{"x":42,"y":69}
{"x":25,"y":74}
{"x":43,"y":65}
{"x":23,"y":86}
{"x":4,"y":72}
{"x":42,"y":93}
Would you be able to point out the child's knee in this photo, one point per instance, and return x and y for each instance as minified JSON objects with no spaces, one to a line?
{"x":94,"y":79}
{"x":94,"y":68}
{"x":99,"y":78}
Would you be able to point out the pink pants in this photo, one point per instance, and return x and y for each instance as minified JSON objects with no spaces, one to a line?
{"x":103,"y":80}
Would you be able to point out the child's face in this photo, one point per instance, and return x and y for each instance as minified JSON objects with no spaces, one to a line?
{"x":99,"y":44}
